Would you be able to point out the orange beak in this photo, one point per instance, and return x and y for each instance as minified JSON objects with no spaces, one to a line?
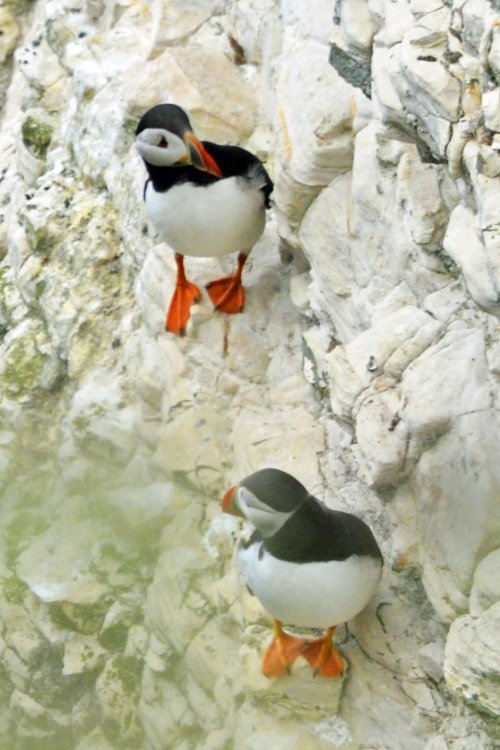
{"x":200,"y":158}
{"x":228,"y":505}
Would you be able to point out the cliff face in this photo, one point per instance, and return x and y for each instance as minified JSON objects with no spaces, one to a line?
{"x":366,"y":363}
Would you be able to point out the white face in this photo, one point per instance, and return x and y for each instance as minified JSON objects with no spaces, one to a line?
{"x":264,"y":518}
{"x":161,"y":148}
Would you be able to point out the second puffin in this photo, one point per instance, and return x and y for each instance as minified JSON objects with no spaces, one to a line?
{"x":307,"y":564}
{"x":204,"y":200}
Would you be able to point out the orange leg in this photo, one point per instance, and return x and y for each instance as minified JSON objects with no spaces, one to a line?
{"x":323,"y":657}
{"x":227,"y":293}
{"x":185,"y":295}
{"x":282,"y":652}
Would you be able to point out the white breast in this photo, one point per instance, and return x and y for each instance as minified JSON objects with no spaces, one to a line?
{"x":313,"y":595}
{"x":213,"y":220}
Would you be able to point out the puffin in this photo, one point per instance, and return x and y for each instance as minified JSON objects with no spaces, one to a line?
{"x":308,"y":565}
{"x":204,"y":200}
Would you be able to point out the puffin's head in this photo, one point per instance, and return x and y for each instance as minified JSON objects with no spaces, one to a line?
{"x":267,"y":499}
{"x":164,"y":138}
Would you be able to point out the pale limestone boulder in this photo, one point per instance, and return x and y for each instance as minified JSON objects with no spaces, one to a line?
{"x":255,"y":729}
{"x":257,"y":27}
{"x":29,"y":363}
{"x":463,"y":243}
{"x":457,"y":518}
{"x":379,"y":354}
{"x":437,"y":91}
{"x":96,"y":740}
{"x":176,"y":605}
{"x":476,"y":17}
{"x":59,"y":568}
{"x":82,"y":655}
{"x":286,"y":439}
{"x":27,"y":643}
{"x":297,"y":14}
{"x":202,"y":80}
{"x":163,"y":711}
{"x":420,"y":187}
{"x":314,"y":143}
{"x":145,"y":508}
{"x":357,"y":25}
{"x":446,"y":381}
{"x":121,"y":48}
{"x":490,"y":102}
{"x":430,"y":659}
{"x":387,"y":104}
{"x":214,"y":652}
{"x":472,"y":659}
{"x":192,"y":443}
{"x":382,"y":439}
{"x":494,"y":52}
{"x":393,"y":20}
{"x":10,"y":33}
{"x":116,"y":692}
{"x":374,"y":707}
{"x":485,"y":591}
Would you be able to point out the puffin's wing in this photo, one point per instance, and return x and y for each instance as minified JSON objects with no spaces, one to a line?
{"x":235,"y":161}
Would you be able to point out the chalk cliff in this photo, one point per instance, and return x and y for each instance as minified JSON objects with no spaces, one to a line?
{"x":366,"y":363}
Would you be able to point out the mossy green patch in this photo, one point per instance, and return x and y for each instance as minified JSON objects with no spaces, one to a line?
{"x":36,"y":136}
{"x":129,"y":671}
{"x":23,"y":368}
{"x":13,"y":589}
{"x":130,"y":125}
{"x":40,"y":239}
{"x":82,"y":618}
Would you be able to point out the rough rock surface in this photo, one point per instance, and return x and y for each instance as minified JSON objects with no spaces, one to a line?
{"x":366,"y":363}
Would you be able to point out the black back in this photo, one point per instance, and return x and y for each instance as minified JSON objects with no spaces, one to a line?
{"x":314,"y":533}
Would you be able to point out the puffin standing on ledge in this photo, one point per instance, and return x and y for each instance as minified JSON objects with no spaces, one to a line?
{"x":204,"y":200}
{"x":308,"y":565}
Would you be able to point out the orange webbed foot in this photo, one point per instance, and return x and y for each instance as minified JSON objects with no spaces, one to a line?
{"x":185,"y":295}
{"x":227,"y":294}
{"x":323,"y":657}
{"x":282,"y":652}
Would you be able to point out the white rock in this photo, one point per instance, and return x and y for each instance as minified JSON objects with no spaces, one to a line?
{"x":116,"y":693}
{"x":174,"y":606}
{"x":82,"y":655}
{"x":23,"y":703}
{"x":430,"y":659}
{"x":457,"y":508}
{"x":446,"y":381}
{"x":382,"y":438}
{"x":491,"y":109}
{"x":297,"y":14}
{"x":485,"y":589}
{"x":357,"y":25}
{"x":277,"y":438}
{"x":96,"y":740}
{"x":163,"y":710}
{"x":144,"y":507}
{"x":59,"y":567}
{"x":472,"y":659}
{"x":28,"y":645}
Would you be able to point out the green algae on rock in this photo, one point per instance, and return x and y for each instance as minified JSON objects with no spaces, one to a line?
{"x":36,"y":136}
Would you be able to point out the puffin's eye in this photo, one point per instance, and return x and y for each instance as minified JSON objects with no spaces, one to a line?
{"x":163,"y":142}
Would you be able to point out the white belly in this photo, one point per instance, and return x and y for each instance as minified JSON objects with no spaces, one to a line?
{"x":313,"y":595}
{"x":214,"y":220}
